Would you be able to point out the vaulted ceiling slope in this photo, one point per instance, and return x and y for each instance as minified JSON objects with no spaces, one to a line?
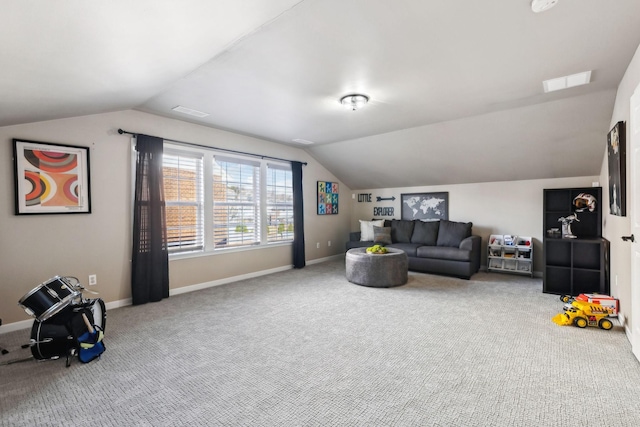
{"x":455,"y":86}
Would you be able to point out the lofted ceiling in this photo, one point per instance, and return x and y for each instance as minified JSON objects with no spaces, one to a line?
{"x":455,"y":86}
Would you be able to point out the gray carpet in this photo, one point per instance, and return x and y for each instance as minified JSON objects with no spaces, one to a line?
{"x":307,"y":348}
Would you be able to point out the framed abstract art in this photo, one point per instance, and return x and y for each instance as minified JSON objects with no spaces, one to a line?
{"x":327,"y":198}
{"x":51,"y":178}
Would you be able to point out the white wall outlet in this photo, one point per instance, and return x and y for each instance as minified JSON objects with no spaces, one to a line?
{"x":318,"y":245}
{"x":93,"y":280}
{"x":329,"y":243}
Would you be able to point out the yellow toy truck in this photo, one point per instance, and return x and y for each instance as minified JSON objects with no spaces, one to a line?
{"x":583,"y":314}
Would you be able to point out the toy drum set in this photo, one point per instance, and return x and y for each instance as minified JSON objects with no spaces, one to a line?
{"x":60,"y":311}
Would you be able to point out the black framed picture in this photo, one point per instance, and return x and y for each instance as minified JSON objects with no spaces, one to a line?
{"x":616,"y":156}
{"x":425,"y":206}
{"x":50,"y":178}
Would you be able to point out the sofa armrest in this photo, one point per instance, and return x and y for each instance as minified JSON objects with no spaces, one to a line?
{"x":473,"y":244}
{"x":354,"y":236}
{"x":469,"y":243}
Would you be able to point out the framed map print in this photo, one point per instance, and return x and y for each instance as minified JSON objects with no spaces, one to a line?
{"x":50,"y":178}
{"x":327,"y":198}
{"x":425,"y":206}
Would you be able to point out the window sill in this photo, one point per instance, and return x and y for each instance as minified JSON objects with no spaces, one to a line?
{"x":214,"y":252}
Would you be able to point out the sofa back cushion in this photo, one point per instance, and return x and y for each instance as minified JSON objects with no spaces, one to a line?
{"x":452,"y":233}
{"x":425,"y":232}
{"x":401,"y":230}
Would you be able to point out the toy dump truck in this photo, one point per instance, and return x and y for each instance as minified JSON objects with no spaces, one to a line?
{"x":608,"y":302}
{"x":582,"y":314}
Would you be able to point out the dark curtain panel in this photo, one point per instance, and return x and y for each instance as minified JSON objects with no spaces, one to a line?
{"x":150,"y":259}
{"x":298,"y":216}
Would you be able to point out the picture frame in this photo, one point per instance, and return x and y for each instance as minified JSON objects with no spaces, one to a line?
{"x":328,"y":196}
{"x":51,"y":178}
{"x":425,"y":206}
{"x":616,"y":159}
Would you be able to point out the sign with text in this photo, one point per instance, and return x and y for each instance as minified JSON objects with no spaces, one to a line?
{"x":383,"y":211}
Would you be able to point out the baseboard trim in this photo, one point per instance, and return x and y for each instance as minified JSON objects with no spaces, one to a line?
{"x":25,"y":324}
{"x":325,"y":259}
{"x":226,"y":280}
{"x":15,"y":326}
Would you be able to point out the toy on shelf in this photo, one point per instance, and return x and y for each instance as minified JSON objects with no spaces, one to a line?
{"x":566,"y":225}
{"x":582,"y":311}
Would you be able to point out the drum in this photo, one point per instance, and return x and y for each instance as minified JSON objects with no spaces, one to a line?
{"x":52,"y":340}
{"x":98,"y":311}
{"x":57,"y":336}
{"x":49,"y":298}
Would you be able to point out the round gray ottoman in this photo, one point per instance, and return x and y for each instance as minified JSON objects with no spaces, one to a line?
{"x":377,"y":270}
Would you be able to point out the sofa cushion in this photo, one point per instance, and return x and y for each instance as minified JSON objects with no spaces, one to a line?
{"x":425,"y":232}
{"x":411,"y":249}
{"x":366,"y":229}
{"x":443,"y":252}
{"x":452,"y":233}
{"x":401,"y":231}
{"x":382,"y":235}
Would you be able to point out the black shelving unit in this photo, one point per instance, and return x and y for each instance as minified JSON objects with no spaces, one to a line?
{"x":578,"y":265}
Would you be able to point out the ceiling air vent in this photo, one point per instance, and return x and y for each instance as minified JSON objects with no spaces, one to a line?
{"x":189,"y":111}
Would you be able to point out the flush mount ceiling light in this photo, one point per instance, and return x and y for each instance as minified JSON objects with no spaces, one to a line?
{"x":566,"y":82}
{"x":541,"y":5}
{"x":190,"y":111}
{"x":354,"y":101}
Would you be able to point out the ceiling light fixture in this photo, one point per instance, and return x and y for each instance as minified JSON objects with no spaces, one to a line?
{"x":354,"y":101}
{"x":566,"y":82}
{"x":541,"y":5}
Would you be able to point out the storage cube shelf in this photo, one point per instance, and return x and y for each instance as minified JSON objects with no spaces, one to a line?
{"x":578,"y":265}
{"x":516,"y":257}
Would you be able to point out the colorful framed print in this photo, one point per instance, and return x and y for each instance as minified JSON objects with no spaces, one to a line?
{"x":51,"y":178}
{"x":425,"y":206}
{"x":327,"y":198}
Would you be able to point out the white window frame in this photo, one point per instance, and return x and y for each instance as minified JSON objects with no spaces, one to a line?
{"x":287,"y":205}
{"x":198,"y":203}
{"x":207,"y":177}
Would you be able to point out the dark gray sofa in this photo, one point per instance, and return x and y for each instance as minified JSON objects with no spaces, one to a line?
{"x":440,"y":247}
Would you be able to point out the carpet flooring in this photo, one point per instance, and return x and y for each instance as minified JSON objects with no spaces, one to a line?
{"x":308,"y":348}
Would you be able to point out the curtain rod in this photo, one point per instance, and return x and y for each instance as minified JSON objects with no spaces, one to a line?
{"x":120,"y":131}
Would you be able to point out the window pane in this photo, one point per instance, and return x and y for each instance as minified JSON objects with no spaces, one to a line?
{"x":236,"y":202}
{"x":279,"y":204}
{"x":184,"y":200}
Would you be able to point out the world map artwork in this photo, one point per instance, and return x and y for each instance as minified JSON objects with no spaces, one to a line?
{"x":425,"y":206}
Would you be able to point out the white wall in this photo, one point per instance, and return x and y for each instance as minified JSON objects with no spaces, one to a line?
{"x":37,"y":247}
{"x":617,"y":226}
{"x":513,"y":207}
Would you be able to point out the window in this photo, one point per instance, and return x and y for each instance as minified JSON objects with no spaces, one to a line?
{"x":236,"y":202}
{"x":219,"y":201}
{"x":279,"y":203}
{"x":182,"y":172}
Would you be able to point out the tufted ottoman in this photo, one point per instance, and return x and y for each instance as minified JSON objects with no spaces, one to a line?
{"x":377,"y":270}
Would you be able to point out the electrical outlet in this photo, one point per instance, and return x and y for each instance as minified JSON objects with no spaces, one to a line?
{"x":318,"y":245}
{"x":93,"y":280}
{"x":329,"y":244}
